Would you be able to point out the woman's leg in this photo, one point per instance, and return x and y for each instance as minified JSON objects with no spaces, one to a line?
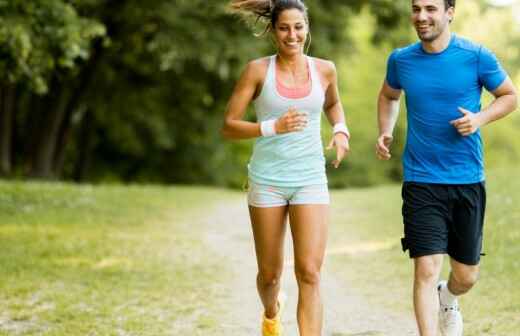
{"x":269,"y":226}
{"x":309,"y":225}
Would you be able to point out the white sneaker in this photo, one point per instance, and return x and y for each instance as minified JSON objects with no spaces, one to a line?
{"x":450,"y":318}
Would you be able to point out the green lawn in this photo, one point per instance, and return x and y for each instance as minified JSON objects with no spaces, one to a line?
{"x":128,"y":260}
{"x":110,"y":260}
{"x":374,"y":215}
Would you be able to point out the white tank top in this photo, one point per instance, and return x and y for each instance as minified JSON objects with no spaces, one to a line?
{"x":291,"y":159}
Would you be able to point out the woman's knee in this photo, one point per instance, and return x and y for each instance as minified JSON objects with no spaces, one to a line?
{"x":309,"y":275}
{"x":269,"y":278}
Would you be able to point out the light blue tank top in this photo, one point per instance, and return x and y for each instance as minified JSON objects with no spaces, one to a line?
{"x":291,"y":159}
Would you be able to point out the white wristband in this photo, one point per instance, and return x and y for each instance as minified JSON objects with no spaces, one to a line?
{"x":267,"y":128}
{"x":341,"y":128}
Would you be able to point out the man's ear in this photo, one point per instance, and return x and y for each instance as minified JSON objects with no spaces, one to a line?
{"x":451,"y":13}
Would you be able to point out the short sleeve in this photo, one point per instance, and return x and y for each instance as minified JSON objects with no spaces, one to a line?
{"x":391,"y":71}
{"x":490,"y":72}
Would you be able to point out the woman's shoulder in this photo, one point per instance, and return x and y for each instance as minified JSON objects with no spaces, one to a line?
{"x":326,"y":70}
{"x":257,"y":68}
{"x":259,"y":64}
{"x":325,"y":67}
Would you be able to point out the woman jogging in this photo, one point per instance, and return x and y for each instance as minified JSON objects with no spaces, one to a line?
{"x":287,"y":178}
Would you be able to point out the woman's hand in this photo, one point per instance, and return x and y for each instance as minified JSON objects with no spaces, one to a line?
{"x":291,"y":121}
{"x":340,"y":141}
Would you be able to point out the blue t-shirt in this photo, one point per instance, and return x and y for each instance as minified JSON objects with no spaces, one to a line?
{"x":435,"y":85}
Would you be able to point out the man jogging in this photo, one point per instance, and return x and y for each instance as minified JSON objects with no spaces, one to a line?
{"x":443,"y":191}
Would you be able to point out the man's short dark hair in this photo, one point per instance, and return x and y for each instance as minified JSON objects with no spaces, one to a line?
{"x":449,"y":3}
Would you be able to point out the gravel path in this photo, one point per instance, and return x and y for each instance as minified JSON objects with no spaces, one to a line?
{"x":346,"y":312}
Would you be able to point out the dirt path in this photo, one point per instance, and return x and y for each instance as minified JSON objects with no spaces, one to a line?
{"x":346,"y":312}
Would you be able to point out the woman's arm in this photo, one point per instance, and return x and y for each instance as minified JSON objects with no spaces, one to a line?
{"x":334,"y":111}
{"x":332,"y":107}
{"x":244,"y":92}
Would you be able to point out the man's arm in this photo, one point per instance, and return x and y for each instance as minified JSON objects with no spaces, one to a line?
{"x":505,"y":102}
{"x":387,"y":113}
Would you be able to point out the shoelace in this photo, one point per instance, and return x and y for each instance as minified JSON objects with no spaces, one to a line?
{"x":451,"y":314}
{"x":450,"y":308}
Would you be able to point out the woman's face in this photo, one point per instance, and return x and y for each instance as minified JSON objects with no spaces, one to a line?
{"x":290,"y":32}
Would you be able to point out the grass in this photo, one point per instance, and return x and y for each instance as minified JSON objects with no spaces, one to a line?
{"x":374,"y":215}
{"x":128,"y":260}
{"x":111,"y":260}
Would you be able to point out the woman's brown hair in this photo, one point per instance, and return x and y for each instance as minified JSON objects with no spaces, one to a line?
{"x":268,"y":10}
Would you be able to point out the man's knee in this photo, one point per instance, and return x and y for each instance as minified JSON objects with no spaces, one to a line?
{"x":465,"y":279}
{"x":427,"y":269}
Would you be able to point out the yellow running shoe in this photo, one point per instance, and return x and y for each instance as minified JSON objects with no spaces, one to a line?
{"x":273,"y":327}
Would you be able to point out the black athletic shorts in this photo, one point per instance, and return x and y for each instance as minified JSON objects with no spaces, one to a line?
{"x":444,"y":218}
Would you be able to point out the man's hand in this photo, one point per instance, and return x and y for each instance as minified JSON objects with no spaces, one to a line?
{"x":468,"y":124}
{"x":340,"y":141}
{"x":383,"y":146}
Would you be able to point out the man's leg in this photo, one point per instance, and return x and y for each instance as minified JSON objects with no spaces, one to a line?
{"x":309,"y":232}
{"x":462,"y":277}
{"x":464,"y":248}
{"x":461,"y":280}
{"x":425,"y":296}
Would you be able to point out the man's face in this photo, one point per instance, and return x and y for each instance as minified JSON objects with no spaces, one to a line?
{"x":430,"y":18}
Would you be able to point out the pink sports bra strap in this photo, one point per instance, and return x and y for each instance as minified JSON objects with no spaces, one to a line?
{"x":294,"y":93}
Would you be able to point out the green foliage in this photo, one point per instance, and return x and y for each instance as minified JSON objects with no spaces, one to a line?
{"x":42,"y":37}
{"x":361,"y":75}
{"x":176,"y":64}
{"x":499,"y":30}
{"x":154,"y":79}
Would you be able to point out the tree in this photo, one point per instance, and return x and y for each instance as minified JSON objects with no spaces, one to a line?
{"x":127,"y":90}
{"x":42,"y":43}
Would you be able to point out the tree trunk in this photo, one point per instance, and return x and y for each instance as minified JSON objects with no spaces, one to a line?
{"x":85,"y":81}
{"x":43,"y":160}
{"x":86,"y":141}
{"x":31,"y":128}
{"x":8,"y":95}
{"x":61,"y":146}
